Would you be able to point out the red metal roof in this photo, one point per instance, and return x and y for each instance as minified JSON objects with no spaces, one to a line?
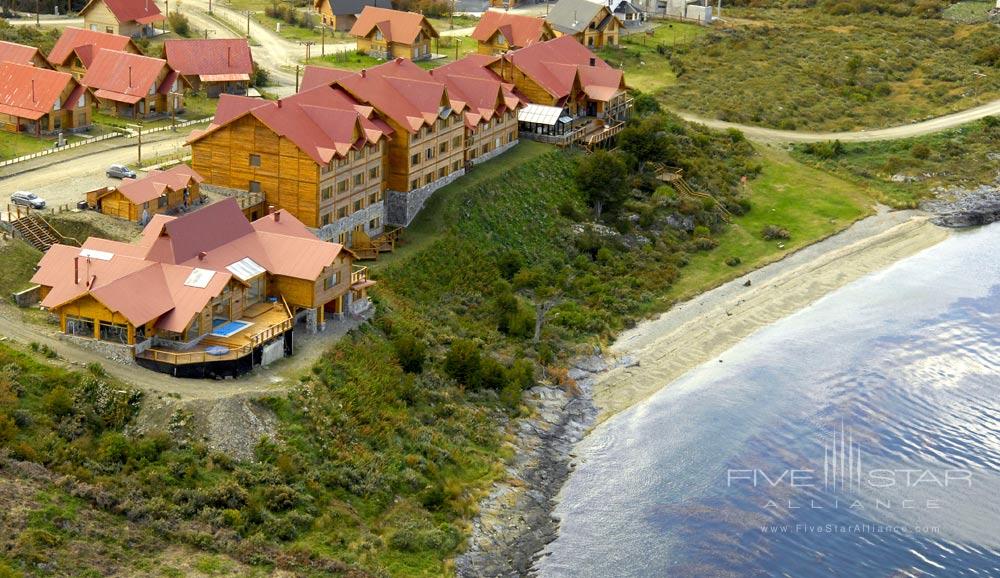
{"x":479,"y":89}
{"x":125,"y":77}
{"x":323,"y":122}
{"x":17,"y":53}
{"x":214,"y":56}
{"x":156,"y":183}
{"x":146,"y":281}
{"x":141,"y":11}
{"x":396,"y":25}
{"x":556,"y":64}
{"x":30,"y":92}
{"x":85,"y":43}
{"x":519,"y":30}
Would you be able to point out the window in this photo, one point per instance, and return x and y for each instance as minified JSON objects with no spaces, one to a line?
{"x":359,"y":154}
{"x":331,"y":281}
{"x":81,"y":326}
{"x":372,"y":199}
{"x":429,"y":153}
{"x":358,"y":205}
{"x":342,"y":186}
{"x":415,"y":159}
{"x":510,"y":136}
{"x":456,"y":142}
{"x":82,"y":102}
{"x":455,"y":166}
{"x":415,"y":184}
{"x":343,"y":161}
{"x":342,"y":238}
{"x":325,"y":219}
{"x":55,"y":105}
{"x":152,"y":89}
{"x":374,"y":223}
{"x":327,"y":193}
{"x":114,"y":332}
{"x":429,"y":178}
{"x":254,"y":187}
{"x":255,"y":292}
{"x":442,"y":172}
{"x":416,"y":136}
{"x":373,"y":173}
{"x":443,"y":148}
{"x":378,"y":34}
{"x":342,"y":212}
{"x":254,"y":160}
{"x":162,"y":201}
{"x":430,"y":129}
{"x":359,"y":179}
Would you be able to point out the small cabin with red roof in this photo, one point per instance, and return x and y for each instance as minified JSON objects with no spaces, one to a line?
{"x":169,"y":191}
{"x":41,"y":101}
{"x":342,"y":14}
{"x":76,"y":49}
{"x":21,"y":54}
{"x":214,"y":65}
{"x":386,"y":34}
{"x":133,"y":86}
{"x":497,"y":32}
{"x":134,"y":18}
{"x":206,"y":294}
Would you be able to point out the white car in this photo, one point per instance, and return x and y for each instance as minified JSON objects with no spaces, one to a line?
{"x":27,"y":199}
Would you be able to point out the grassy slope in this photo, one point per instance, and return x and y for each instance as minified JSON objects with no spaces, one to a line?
{"x":950,"y":158}
{"x":791,"y":68}
{"x":19,"y":260}
{"x":809,"y":203}
{"x":644,"y":58}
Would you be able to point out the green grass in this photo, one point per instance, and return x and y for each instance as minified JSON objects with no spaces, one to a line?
{"x":811,"y":204}
{"x":448,"y":46}
{"x":958,"y":157}
{"x":19,"y":259}
{"x":195,"y":107}
{"x":460,"y":21}
{"x":645,"y":58}
{"x":968,"y":11}
{"x":795,"y":68}
{"x":15,"y":145}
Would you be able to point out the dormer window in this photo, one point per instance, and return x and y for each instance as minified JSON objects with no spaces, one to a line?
{"x":500,"y":38}
{"x":378,"y":34}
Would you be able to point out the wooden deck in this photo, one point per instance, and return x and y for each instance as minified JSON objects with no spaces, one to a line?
{"x":269,"y":321}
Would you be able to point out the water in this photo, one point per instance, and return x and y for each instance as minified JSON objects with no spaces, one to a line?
{"x":858,"y":437}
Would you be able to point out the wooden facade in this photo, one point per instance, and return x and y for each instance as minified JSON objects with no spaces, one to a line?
{"x":603,"y":30}
{"x":247,"y":155}
{"x":415,"y":160}
{"x":99,"y":18}
{"x":375,"y":44}
{"x":114,"y":203}
{"x":500,"y":131}
{"x":70,"y":116}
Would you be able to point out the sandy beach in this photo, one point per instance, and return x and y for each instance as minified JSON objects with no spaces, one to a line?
{"x":657,"y":352}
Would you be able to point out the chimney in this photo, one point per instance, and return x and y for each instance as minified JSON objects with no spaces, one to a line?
{"x":364,"y":73}
{"x":277,"y":216}
{"x":399,"y":60}
{"x":202,"y":255}
{"x":229,"y":54}
{"x":593,"y":61}
{"x":279,"y":102}
{"x":270,"y":209}
{"x":33,"y":90}
{"x":130,"y":76}
{"x":76,"y":270}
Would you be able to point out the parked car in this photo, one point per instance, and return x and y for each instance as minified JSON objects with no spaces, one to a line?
{"x":120,"y":172}
{"x":28,"y":200}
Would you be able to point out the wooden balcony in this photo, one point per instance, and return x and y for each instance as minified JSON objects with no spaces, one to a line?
{"x":269,"y":321}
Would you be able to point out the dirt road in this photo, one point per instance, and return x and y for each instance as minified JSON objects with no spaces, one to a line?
{"x":897,"y":132}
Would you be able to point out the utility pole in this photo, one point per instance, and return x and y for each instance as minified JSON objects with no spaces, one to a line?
{"x":296,"y":78}
{"x":248,"y":24}
{"x":308,"y":44}
{"x":166,"y":10}
{"x":209,"y":6}
{"x":322,"y":45}
{"x":38,"y":14}
{"x":138,"y":128}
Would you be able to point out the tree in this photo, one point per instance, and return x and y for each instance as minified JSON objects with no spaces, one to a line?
{"x":602,"y":177}
{"x":544,"y":287}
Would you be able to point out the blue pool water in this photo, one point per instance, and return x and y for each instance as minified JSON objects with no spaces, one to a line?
{"x":228,"y":328}
{"x":858,"y":437}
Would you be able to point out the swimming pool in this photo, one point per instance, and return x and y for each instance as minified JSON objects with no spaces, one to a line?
{"x":223,"y":328}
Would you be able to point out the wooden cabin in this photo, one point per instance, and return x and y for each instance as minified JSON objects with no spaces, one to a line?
{"x":40,"y":101}
{"x":342,"y":14}
{"x":214,"y":66}
{"x":76,"y":49}
{"x":388,"y":34}
{"x":498,"y":32}
{"x":592,"y":24}
{"x":133,"y":18}
{"x":166,"y":192}
{"x":21,"y":54}
{"x":207,"y":294}
{"x":133,"y":86}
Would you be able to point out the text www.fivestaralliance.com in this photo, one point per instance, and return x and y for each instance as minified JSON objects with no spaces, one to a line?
{"x":848,"y":529}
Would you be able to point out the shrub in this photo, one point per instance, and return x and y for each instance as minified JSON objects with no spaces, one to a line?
{"x":180,"y":24}
{"x":113,"y":448}
{"x":8,"y":429}
{"x":733,"y":261}
{"x":58,"y":401}
{"x":462,"y":362}
{"x":411,"y":353}
{"x":509,"y":264}
{"x":774,"y":233}
{"x":261,"y":77}
{"x":920,"y":151}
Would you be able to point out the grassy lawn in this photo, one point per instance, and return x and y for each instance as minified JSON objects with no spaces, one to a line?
{"x":19,"y":259}
{"x":811,"y":204}
{"x":15,"y":145}
{"x":969,"y":11}
{"x":959,"y":157}
{"x":459,"y":21}
{"x":645,"y":58}
{"x":449,"y":46}
{"x":195,"y":107}
{"x":805,"y":69}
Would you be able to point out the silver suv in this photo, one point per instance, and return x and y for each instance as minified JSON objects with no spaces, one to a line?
{"x":120,"y":172}
{"x":28,"y":200}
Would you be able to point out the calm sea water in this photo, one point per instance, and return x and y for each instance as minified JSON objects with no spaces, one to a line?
{"x":858,"y":437}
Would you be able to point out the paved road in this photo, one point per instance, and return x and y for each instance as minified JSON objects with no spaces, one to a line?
{"x":897,"y":132}
{"x":60,"y":182}
{"x":48,"y":21}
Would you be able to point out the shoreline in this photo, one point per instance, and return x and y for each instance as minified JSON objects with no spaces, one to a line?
{"x":516,"y":519}
{"x":658,"y":351}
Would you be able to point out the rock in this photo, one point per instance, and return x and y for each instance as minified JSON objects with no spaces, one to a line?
{"x":591,"y":364}
{"x":993,"y":156}
{"x":966,"y":207}
{"x":747,"y":284}
{"x":901,"y":178}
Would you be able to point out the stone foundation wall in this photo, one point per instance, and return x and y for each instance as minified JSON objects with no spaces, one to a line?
{"x":113,"y":351}
{"x":401,"y":207}
{"x":495,"y":152}
{"x":28,"y":297}
{"x":346,"y":225}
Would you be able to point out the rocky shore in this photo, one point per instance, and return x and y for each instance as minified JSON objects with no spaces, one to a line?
{"x":959,"y":207}
{"x":515,"y":521}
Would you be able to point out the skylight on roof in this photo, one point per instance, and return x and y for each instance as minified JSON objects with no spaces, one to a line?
{"x":94,"y":254}
{"x":540,"y":114}
{"x":245,"y":269}
{"x":199,"y":278}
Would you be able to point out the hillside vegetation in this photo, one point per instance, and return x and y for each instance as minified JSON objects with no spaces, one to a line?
{"x":388,"y":443}
{"x":903,"y":172}
{"x":836,"y":66}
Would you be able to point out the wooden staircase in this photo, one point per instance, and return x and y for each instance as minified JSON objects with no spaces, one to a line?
{"x":368,"y":248}
{"x":674,"y":177}
{"x":38,"y":232}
